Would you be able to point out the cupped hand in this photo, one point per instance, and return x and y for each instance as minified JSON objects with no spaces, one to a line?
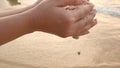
{"x":51,"y":16}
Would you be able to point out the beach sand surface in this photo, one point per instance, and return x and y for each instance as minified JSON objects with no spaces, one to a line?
{"x":99,"y":49}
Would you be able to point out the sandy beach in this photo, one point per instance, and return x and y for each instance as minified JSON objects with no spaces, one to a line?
{"x":99,"y":49}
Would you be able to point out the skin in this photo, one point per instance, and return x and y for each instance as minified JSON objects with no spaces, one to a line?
{"x":17,"y":11}
{"x":49,"y":16}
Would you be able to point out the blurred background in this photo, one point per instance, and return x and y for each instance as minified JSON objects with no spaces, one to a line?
{"x":99,"y":49}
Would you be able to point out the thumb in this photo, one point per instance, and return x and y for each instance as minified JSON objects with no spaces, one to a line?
{"x":62,"y":3}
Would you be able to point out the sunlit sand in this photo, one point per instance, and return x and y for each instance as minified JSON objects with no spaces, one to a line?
{"x":99,"y":49}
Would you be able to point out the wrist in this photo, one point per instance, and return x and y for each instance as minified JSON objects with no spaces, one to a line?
{"x":29,"y":18}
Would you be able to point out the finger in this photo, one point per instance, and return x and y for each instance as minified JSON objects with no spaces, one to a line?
{"x":80,"y":25}
{"x":89,"y":26}
{"x":62,"y":3}
{"x":83,"y":33}
{"x":85,"y":30}
{"x":86,"y":20}
{"x":81,"y":11}
{"x":92,"y":20}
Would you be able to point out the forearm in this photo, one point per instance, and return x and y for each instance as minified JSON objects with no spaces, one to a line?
{"x":12,"y":27}
{"x":13,"y":12}
{"x":17,"y":11}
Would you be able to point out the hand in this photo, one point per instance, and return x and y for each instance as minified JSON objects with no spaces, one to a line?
{"x":50,"y":16}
